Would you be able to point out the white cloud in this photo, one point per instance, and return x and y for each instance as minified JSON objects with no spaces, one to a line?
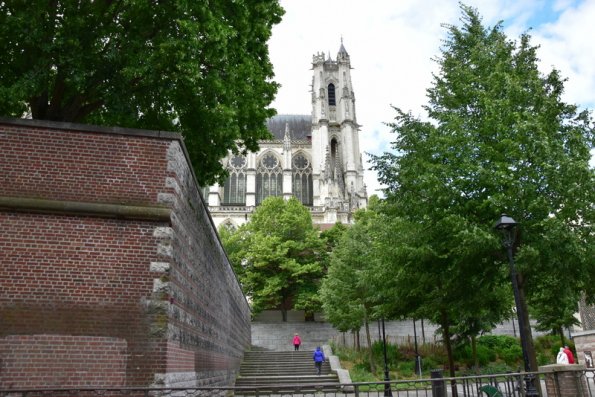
{"x":391,"y":44}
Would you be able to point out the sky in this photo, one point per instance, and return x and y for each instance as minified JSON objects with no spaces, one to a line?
{"x":391,"y":44}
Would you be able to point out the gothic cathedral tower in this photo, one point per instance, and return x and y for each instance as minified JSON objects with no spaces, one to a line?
{"x":315,"y":158}
{"x":338,"y":173}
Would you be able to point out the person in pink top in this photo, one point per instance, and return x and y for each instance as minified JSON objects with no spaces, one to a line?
{"x":296,"y":342}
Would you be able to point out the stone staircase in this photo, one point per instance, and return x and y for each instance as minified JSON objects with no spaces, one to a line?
{"x":276,"y":369}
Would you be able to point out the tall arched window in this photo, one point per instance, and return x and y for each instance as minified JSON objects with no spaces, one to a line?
{"x":334,"y":152}
{"x":331,"y":95}
{"x":302,"y":179}
{"x":234,"y":190}
{"x":269,"y":178}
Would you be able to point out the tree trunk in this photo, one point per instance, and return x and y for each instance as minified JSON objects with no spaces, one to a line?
{"x":369,"y":340}
{"x":451,"y":362}
{"x":284,"y":314}
{"x":474,"y":353}
{"x":561,"y":331}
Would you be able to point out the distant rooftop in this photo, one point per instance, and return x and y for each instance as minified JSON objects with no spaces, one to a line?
{"x":300,"y":126}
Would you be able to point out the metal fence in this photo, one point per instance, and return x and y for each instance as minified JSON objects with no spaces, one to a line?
{"x":507,"y":385}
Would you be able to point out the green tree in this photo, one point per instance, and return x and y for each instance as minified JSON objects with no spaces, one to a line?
{"x":427,"y":275}
{"x":554,"y":307}
{"x":278,"y":257}
{"x":499,"y":139}
{"x":348,"y":293}
{"x":199,"y":68}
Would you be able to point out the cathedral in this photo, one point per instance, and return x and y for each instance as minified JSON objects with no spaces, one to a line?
{"x":315,"y":158}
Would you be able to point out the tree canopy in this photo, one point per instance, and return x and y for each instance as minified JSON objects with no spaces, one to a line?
{"x":278,"y":256}
{"x":199,"y":68}
{"x":349,"y":291}
{"x":499,"y":138}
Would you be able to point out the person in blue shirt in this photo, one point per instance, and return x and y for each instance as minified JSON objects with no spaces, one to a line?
{"x":318,"y":357}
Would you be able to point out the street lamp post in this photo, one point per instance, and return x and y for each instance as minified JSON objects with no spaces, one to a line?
{"x":387,"y":390}
{"x":507,"y":226}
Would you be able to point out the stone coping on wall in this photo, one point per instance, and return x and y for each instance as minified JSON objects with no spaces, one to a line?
{"x":583,"y":333}
{"x":562,"y":368}
{"x":65,"y":126}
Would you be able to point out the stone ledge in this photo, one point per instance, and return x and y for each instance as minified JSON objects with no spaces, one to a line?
{"x":102,"y":210}
{"x":562,"y":368}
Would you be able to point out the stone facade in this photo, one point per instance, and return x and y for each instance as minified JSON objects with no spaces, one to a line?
{"x":584,"y":343}
{"x":564,"y":380}
{"x":315,"y":158}
{"x":111,"y":271}
{"x":586,"y":315}
{"x":270,"y":333}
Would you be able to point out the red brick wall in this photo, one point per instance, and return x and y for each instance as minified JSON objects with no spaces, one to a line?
{"x":63,"y":359}
{"x":157,"y":298}
{"x":85,"y":166}
{"x":210,"y":315}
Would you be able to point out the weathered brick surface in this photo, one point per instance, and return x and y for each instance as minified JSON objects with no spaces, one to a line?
{"x":157,"y":300}
{"x":584,"y":341}
{"x":565,"y":380}
{"x":85,"y":166}
{"x":63,"y":358}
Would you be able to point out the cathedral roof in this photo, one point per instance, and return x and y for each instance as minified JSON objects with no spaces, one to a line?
{"x":300,"y":126}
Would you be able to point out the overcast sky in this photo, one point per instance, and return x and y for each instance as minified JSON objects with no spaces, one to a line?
{"x":391,"y":44}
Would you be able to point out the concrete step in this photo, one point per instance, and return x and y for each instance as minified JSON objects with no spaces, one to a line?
{"x":284,"y":368}
{"x":281,"y":365}
{"x":286,"y":380}
{"x":278,"y":355}
{"x":280,"y":371}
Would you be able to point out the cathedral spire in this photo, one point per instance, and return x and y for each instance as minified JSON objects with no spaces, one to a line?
{"x":342,"y":49}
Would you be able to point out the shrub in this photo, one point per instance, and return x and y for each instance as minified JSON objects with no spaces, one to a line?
{"x":358,"y":374}
{"x":485,"y":355}
{"x":362,"y":366}
{"x":430,"y":363}
{"x":464,"y":355}
{"x":407,"y":369}
{"x":544,"y":359}
{"x":512,"y":354}
{"x":393,"y":354}
{"x":345,"y":353}
{"x":497,"y":342}
{"x":497,"y":368}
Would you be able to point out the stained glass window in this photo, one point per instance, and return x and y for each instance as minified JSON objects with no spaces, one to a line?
{"x":302,"y":179}
{"x":234,"y":189}
{"x":269,"y":178}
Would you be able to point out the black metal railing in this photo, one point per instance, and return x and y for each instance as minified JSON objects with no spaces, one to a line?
{"x":507,"y":385}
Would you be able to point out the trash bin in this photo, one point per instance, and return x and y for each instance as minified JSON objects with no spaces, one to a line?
{"x":438,"y":386}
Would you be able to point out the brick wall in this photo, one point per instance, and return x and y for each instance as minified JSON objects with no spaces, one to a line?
{"x":584,"y":342}
{"x":65,"y":359}
{"x":564,"y":380}
{"x":106,"y":250}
